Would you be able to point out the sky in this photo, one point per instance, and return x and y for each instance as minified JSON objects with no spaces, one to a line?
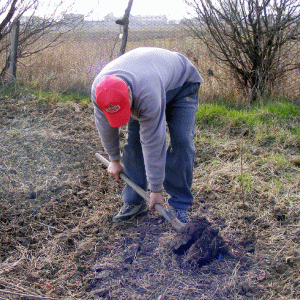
{"x":173,"y":9}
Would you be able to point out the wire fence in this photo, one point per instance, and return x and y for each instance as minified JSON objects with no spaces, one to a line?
{"x":80,"y":54}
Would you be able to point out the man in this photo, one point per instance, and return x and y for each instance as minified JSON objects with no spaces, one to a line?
{"x":146,"y":89}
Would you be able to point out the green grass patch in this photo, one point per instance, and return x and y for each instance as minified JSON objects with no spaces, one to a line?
{"x":62,"y":97}
{"x":29,"y":93}
{"x":271,"y":123}
{"x":272,"y":113}
{"x":277,"y":160}
{"x":246,"y":182}
{"x":283,"y":109}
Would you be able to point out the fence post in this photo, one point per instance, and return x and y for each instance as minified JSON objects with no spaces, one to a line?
{"x":14,"y":51}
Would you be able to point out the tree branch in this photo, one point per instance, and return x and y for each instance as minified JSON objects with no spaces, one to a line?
{"x":8,"y":17}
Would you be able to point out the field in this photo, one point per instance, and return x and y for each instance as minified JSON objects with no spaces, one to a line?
{"x":57,"y":202}
{"x":57,"y":240}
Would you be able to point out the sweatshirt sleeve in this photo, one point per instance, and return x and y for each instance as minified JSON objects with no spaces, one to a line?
{"x":109,"y":136}
{"x":153,"y":140}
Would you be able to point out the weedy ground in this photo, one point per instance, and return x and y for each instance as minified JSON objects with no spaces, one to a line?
{"x":57,"y":203}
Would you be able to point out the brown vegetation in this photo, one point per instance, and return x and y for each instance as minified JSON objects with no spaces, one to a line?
{"x":57,"y":202}
{"x":72,"y":65}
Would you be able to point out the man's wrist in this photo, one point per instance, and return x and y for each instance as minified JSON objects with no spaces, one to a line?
{"x":156,"y":192}
{"x":116,"y":160}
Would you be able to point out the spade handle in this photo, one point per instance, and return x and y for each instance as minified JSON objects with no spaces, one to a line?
{"x":168,"y":215}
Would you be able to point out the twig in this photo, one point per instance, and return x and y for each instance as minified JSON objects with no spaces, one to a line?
{"x":15,"y":286}
{"x":25,"y":295}
{"x":6,"y":267}
{"x":242,"y":174}
{"x":52,"y":227}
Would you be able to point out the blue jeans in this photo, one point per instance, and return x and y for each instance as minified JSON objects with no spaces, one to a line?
{"x":181,"y":108}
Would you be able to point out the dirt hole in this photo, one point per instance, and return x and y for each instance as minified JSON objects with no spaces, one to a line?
{"x":198,"y":244}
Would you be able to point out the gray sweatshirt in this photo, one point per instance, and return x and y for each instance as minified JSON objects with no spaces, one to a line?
{"x":150,"y":73}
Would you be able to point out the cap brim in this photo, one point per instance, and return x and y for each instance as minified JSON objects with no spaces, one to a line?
{"x":119,"y":118}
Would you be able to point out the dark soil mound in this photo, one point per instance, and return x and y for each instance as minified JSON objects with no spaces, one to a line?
{"x":198,"y":244}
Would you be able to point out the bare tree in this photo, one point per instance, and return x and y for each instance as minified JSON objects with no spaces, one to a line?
{"x":257,"y":39}
{"x":33,"y":27}
{"x":125,"y":22}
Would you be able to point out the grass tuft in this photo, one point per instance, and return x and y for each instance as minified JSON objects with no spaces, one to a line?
{"x":271,"y":123}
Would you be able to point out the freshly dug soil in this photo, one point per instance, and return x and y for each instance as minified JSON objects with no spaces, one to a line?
{"x":198,"y":244}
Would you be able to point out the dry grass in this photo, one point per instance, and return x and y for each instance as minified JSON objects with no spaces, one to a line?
{"x":72,"y":65}
{"x":265,"y":205}
{"x":57,"y":202}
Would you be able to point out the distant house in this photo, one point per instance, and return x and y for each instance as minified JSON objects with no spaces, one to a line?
{"x":73,"y":19}
{"x":148,"y":20}
{"x":109,"y":21}
{"x":109,"y":18}
{"x":31,"y":21}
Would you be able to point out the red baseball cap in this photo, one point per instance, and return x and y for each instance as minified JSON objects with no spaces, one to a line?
{"x":112,"y":96}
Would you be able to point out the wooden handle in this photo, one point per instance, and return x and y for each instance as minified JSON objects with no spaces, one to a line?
{"x":169,"y":216}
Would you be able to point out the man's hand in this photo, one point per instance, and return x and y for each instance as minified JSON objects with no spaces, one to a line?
{"x":115,"y":168}
{"x":156,"y":198}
